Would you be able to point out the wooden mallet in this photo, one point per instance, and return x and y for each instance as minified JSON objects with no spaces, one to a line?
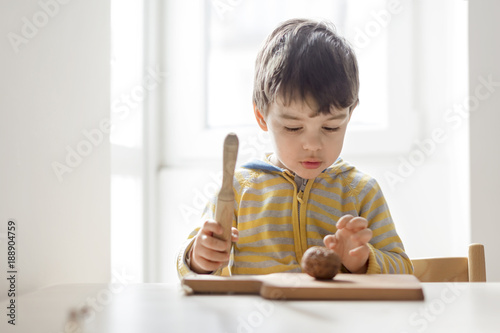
{"x":225,"y":200}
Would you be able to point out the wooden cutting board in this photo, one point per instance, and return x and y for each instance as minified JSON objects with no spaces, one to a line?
{"x":293,"y":286}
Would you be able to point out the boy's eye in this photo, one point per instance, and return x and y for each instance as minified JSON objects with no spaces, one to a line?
{"x":293,"y":129}
{"x":331,"y":129}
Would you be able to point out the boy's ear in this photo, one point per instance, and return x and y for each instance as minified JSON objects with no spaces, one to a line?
{"x":260,"y":118}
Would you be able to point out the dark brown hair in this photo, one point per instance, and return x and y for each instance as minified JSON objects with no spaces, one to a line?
{"x":303,"y":58}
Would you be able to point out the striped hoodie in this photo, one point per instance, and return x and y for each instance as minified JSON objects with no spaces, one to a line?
{"x":280,"y":215}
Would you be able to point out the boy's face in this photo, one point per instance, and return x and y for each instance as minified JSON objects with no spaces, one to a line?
{"x":304,"y":142}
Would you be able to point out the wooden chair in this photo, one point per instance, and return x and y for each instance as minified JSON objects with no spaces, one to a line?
{"x":453,"y":269}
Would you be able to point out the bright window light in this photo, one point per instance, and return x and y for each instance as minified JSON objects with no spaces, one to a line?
{"x":235,"y":33}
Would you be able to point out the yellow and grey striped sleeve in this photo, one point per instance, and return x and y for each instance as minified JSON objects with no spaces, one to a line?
{"x":387,"y":254}
{"x":182,"y":267}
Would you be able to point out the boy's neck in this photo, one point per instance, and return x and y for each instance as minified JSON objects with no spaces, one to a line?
{"x":276,"y":162}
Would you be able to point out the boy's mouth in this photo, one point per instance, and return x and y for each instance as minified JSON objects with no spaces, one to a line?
{"x":311,"y":164}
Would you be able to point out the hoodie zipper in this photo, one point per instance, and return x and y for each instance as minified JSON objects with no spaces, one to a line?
{"x":300,"y":194}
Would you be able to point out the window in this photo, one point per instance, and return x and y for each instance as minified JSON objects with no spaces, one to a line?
{"x":217,"y":47}
{"x":234,"y":37}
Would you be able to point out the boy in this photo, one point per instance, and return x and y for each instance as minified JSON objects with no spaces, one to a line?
{"x":301,"y":195}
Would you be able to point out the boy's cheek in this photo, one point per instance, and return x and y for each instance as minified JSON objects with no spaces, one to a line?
{"x":283,"y":143}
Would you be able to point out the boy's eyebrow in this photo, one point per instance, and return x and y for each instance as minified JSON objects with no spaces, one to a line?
{"x":339,"y":115}
{"x":287,"y":116}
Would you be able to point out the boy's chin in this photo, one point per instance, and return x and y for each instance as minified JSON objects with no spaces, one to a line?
{"x":308,"y":174}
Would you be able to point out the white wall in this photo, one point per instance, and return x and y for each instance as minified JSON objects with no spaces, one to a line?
{"x":484,"y":60}
{"x":53,"y":88}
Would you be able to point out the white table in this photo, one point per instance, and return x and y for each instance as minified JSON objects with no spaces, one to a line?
{"x":149,"y":308}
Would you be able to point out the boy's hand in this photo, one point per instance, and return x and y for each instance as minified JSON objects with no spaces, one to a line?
{"x":209,"y":253}
{"x":350,"y":243}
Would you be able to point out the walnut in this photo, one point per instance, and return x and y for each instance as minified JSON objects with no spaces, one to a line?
{"x":320,"y":262}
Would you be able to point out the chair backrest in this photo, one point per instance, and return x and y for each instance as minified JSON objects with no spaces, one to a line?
{"x":453,"y":269}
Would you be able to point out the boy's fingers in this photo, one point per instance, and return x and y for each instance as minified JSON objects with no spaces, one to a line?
{"x":343,"y":221}
{"x":360,"y":252}
{"x":363,"y":236}
{"x":212,"y":256}
{"x":357,"y":223}
{"x":330,"y":241}
{"x":211,"y":226}
{"x":235,"y":235}
{"x":208,"y":265}
{"x":213,"y":243}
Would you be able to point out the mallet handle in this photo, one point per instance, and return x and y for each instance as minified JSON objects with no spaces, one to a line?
{"x":225,"y":200}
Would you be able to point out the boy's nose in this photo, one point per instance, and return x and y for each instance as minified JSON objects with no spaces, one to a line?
{"x":312,"y":142}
